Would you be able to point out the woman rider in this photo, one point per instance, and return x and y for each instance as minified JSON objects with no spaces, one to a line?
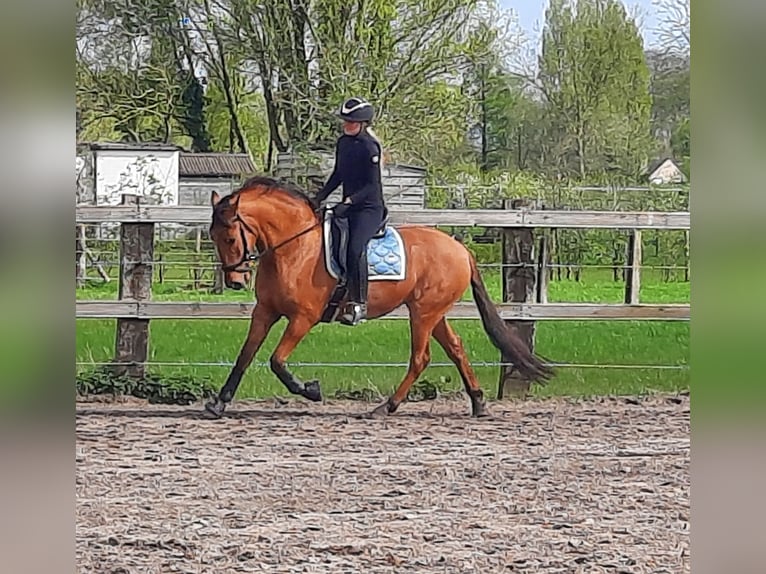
{"x":358,"y":156}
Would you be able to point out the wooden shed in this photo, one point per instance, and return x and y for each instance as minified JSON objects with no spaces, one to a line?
{"x":403,"y":185}
{"x":201,"y":173}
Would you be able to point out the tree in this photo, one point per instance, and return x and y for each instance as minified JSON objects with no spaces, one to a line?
{"x":674,"y":30}
{"x":670,"y":88}
{"x":135,"y":70}
{"x":671,"y":114}
{"x":594,"y":77}
{"x":311,"y":56}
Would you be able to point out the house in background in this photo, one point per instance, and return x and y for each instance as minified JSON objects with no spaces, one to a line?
{"x":106,"y":171}
{"x":199,"y":174}
{"x":665,"y":171}
{"x":159,"y":173}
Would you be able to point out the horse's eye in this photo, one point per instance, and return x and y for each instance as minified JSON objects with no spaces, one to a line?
{"x":230,"y":240}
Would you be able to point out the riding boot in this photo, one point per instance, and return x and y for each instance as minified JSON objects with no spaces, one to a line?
{"x":356,"y":308}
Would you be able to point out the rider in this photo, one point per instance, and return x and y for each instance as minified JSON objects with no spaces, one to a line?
{"x":358,"y":156}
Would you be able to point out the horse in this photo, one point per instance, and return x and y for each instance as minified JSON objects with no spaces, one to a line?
{"x":279,"y":225}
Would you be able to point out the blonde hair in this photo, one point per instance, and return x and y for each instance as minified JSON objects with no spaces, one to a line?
{"x":374,"y":136}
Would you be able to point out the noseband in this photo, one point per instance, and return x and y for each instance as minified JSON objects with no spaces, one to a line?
{"x":247,"y":256}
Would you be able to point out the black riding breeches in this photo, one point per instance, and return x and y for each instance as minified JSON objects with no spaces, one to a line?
{"x":362,"y":225}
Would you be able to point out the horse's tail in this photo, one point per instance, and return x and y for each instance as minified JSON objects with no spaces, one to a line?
{"x":503,"y":336}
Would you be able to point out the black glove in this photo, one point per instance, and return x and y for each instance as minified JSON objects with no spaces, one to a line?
{"x":316,"y":205}
{"x":341,"y":209}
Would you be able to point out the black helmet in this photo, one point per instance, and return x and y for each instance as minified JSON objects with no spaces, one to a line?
{"x":356,"y":110}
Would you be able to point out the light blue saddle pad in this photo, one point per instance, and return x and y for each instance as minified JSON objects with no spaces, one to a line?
{"x":386,"y":258}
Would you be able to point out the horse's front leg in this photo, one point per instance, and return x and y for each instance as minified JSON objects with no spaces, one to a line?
{"x":261,"y":323}
{"x":297,"y":329}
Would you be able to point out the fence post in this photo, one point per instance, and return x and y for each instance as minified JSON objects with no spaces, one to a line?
{"x":81,"y":256}
{"x":519,"y":286}
{"x":633,"y":268}
{"x":136,"y":255}
{"x":542,"y":269}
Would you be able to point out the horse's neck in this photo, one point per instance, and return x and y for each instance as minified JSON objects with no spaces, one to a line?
{"x":280,"y":218}
{"x":297,"y":257}
{"x":292,"y":232}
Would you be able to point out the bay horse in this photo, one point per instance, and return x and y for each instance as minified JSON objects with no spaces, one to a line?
{"x":278,"y":224}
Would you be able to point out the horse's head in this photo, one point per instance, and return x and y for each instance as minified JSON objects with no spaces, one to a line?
{"x":263,"y":215}
{"x":234,"y":240}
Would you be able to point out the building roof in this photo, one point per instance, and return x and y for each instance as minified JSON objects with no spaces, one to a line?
{"x":655,"y":165}
{"x":125,"y":146}
{"x":214,"y":164}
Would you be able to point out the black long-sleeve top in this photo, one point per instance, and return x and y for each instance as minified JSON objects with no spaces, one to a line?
{"x":357,"y":167}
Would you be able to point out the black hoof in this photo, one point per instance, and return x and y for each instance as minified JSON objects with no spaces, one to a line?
{"x":478,"y":405}
{"x":481,"y":414}
{"x":312,"y":391}
{"x":215,"y":407}
{"x":380,"y":412}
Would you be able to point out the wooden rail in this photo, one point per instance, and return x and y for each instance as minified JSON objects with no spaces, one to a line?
{"x":465,"y":310}
{"x":525,"y":277}
{"x":432,"y":217}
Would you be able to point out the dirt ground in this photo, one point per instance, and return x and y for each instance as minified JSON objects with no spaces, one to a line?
{"x":545,"y":486}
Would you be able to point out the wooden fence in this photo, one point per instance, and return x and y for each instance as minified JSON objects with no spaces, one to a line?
{"x":525,"y":260}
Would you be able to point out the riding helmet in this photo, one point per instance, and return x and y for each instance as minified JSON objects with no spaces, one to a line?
{"x":356,"y":110}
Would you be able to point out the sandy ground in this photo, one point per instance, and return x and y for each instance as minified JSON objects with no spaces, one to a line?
{"x":545,"y":486}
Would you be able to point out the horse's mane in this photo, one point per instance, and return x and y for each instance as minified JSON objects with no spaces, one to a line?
{"x":270,"y":184}
{"x":266,"y":185}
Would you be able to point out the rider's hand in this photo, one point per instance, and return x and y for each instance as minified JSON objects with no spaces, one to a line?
{"x":341,"y":209}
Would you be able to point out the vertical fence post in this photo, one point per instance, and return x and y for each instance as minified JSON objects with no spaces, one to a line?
{"x":81,"y":256}
{"x":542,"y":270}
{"x":136,"y":255}
{"x":633,"y":268}
{"x":519,"y":280}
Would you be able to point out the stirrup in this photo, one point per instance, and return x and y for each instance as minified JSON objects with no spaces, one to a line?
{"x":354,"y":314}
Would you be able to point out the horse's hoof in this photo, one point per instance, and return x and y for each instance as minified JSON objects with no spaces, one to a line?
{"x":312,"y":391}
{"x":379,"y":412}
{"x":215,"y":407}
{"x":480,"y":411}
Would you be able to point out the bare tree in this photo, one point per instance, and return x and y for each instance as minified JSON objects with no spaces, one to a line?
{"x":674,"y":29}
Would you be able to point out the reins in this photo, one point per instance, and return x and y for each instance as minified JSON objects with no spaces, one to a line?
{"x":247,"y":256}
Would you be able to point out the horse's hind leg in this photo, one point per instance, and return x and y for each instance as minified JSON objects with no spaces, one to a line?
{"x":453,"y":346}
{"x":421,"y":328}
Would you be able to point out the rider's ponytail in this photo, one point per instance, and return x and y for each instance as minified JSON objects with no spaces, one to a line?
{"x":374,"y":136}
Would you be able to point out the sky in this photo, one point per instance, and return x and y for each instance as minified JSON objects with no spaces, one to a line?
{"x":531,"y":14}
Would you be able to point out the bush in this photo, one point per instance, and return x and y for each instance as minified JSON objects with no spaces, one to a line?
{"x":180,"y":390}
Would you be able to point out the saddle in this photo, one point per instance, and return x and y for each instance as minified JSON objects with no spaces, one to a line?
{"x":339,"y":235}
{"x":338,"y":252}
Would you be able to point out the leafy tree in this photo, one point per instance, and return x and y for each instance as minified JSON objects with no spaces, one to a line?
{"x":593,"y":74}
{"x":670,"y":89}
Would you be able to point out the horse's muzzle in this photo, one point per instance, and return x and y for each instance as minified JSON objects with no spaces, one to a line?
{"x":236,"y":285}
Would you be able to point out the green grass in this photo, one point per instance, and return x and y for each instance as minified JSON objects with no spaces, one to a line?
{"x":595,"y":286}
{"x":577,"y":342}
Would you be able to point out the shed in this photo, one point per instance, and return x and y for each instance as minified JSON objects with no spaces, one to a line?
{"x":200,"y":174}
{"x":403,"y":185}
{"x":665,"y":171}
{"x":149,"y":170}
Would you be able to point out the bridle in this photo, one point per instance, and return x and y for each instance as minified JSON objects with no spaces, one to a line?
{"x":247,"y":256}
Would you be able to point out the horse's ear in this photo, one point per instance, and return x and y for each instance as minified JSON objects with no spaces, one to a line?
{"x":215,"y":198}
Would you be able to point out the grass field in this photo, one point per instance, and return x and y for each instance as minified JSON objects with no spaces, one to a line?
{"x":387,"y":341}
